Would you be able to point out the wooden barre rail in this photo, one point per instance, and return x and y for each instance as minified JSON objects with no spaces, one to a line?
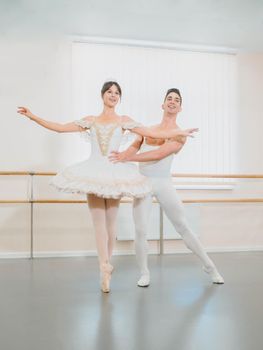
{"x":16,"y":173}
{"x":219,"y":176}
{"x":201,"y":200}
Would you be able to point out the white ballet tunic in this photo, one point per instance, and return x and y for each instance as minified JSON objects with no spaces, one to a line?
{"x":157,"y":168}
{"x":98,"y":175}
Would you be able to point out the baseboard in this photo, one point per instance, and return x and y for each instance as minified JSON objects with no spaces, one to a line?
{"x":218,"y":250}
{"x":14,"y":255}
{"x":234,"y":249}
{"x":58,"y":254}
{"x":67,"y":254}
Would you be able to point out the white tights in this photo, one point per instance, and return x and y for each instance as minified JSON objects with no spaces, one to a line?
{"x":104,"y":214}
{"x":172,"y":206}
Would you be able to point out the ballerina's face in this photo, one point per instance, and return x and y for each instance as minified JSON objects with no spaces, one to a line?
{"x":111,"y":96}
{"x":172,"y":103}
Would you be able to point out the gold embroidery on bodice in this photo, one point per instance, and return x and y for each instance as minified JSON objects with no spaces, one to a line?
{"x":104,"y":134}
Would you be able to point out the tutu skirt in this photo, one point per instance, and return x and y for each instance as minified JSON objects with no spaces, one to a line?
{"x":103,"y":179}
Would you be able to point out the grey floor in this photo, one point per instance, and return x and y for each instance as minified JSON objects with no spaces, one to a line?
{"x":53,"y":304}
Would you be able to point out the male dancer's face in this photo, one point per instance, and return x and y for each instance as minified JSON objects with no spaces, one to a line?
{"x":172,"y":103}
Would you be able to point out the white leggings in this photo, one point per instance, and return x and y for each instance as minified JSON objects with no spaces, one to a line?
{"x":104,"y":216}
{"x":168,"y":199}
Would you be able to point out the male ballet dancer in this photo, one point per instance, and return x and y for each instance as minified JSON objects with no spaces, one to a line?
{"x":155,"y":160}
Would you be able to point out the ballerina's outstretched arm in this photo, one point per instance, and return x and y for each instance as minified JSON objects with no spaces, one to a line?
{"x":54,"y":126}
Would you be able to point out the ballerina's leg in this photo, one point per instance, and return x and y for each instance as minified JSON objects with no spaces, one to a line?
{"x":98,"y":213}
{"x":97,"y":207}
{"x":112,"y":206}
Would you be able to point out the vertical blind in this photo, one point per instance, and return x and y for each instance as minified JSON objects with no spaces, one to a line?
{"x":207,"y":82}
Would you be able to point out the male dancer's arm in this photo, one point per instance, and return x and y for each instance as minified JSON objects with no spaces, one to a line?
{"x":159,"y":134}
{"x":129,"y":152}
{"x":131,"y":155}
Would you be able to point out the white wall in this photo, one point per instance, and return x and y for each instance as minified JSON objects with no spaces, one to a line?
{"x":38,"y":74}
{"x":35,"y":74}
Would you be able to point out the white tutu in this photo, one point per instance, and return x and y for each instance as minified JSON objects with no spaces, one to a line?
{"x":97,"y":175}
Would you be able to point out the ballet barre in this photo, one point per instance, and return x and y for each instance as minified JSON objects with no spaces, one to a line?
{"x":186,"y":175}
{"x":220,"y":176}
{"x":196,"y":200}
{"x":33,"y":201}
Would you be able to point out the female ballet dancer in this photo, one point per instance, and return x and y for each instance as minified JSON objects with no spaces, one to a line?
{"x":104,"y":183}
{"x":155,"y":162}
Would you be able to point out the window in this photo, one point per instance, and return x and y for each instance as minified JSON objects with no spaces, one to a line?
{"x":207,"y":82}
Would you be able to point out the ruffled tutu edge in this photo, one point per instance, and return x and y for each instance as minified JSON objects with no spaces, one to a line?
{"x":139,"y":190}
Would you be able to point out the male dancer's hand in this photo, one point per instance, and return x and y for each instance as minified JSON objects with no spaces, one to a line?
{"x":116,"y":157}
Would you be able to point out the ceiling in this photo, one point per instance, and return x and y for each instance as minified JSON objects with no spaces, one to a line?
{"x":227,"y":23}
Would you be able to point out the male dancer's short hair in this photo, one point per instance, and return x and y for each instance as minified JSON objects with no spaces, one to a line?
{"x":177,"y":91}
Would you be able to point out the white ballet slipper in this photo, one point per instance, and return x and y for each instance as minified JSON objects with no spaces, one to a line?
{"x":144,"y":280}
{"x":214,"y":274}
{"x":105,"y":277}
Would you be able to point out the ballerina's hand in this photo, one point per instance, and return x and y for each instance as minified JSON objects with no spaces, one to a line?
{"x":116,"y":157}
{"x":189,"y":132}
{"x":25,"y":111}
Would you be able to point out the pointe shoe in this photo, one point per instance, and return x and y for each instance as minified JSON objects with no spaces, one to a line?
{"x":144,"y":281}
{"x":105,"y":271}
{"x":214,"y":274}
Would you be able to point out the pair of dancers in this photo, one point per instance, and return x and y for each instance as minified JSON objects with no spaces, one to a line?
{"x":106,"y":177}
